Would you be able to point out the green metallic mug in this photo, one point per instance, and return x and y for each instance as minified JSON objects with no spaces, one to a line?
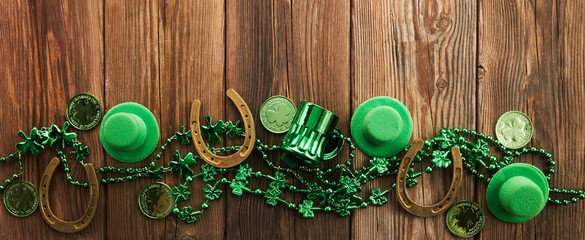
{"x":311,"y":129}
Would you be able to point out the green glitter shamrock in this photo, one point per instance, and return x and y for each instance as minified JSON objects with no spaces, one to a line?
{"x":238,"y":186}
{"x":33,"y":143}
{"x":208,"y":172}
{"x":342,"y":207}
{"x":233,"y":130}
{"x":441,"y":159}
{"x":60,"y":138}
{"x":411,"y":180}
{"x":156,"y":174}
{"x":278,"y":115}
{"x":187,"y":215}
{"x":272,"y":196}
{"x":306,"y":208}
{"x":379,"y":164}
{"x":181,"y":192}
{"x":182,"y":165}
{"x":279,"y":180}
{"x":80,"y":151}
{"x":211,"y":193}
{"x":183,"y":137}
{"x":377,"y":197}
{"x":213,"y":130}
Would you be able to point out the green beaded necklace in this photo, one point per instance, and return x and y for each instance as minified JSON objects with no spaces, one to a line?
{"x":339,"y":196}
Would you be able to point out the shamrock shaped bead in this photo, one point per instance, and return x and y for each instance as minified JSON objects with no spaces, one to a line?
{"x":33,"y":143}
{"x":182,"y":164}
{"x":183,"y":137}
{"x":213,"y":130}
{"x":60,"y":138}
{"x":181,"y":192}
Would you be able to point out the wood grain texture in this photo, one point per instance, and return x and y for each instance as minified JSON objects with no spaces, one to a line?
{"x":423,"y":54}
{"x":258,"y":44}
{"x":192,"y":63}
{"x":132,"y":75}
{"x":47,"y":62}
{"x":320,"y":73}
{"x":453,"y":63}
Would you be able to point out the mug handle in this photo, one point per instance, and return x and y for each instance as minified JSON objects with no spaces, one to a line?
{"x":336,"y":132}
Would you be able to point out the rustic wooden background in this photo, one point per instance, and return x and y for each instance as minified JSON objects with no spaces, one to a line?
{"x":454,"y":63}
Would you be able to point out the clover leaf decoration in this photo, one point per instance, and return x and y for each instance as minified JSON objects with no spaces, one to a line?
{"x":181,"y":192}
{"x":342,"y":207}
{"x":379,"y":164}
{"x":183,"y":137}
{"x":411,"y":180}
{"x":187,"y":215}
{"x":211,"y":192}
{"x":208,"y":172}
{"x":446,"y":139}
{"x":441,"y":159}
{"x":233,"y":130}
{"x":238,"y":186}
{"x":60,"y":138}
{"x":278,"y":115}
{"x":33,"y":143}
{"x":478,"y":151}
{"x":272,"y":196}
{"x":348,"y":185}
{"x":314,"y":191}
{"x":306,"y":208}
{"x":182,"y":164}
{"x":212,"y":131}
{"x":80,"y":152}
{"x":243,"y":172}
{"x":377,"y":197}
{"x":156,"y":174}
{"x":514,"y":130}
{"x":279,"y":180}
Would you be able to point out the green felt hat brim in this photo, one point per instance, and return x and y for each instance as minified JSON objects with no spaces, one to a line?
{"x":513,"y":170}
{"x":150,"y":141}
{"x":391,"y":148}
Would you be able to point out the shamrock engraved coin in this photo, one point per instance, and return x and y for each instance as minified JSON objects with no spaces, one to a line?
{"x":21,"y":198}
{"x":84,"y":111}
{"x":155,"y":200}
{"x":276,"y":114}
{"x":465,"y":219}
{"x":514,"y":129}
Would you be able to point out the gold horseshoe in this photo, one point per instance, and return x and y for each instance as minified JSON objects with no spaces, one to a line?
{"x":431,"y":210}
{"x":247,"y":146}
{"x":49,"y":216}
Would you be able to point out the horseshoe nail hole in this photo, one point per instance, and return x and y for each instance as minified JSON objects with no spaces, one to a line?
{"x":211,"y":159}
{"x":249,"y":126}
{"x":198,"y":142}
{"x":204,"y":151}
{"x":401,"y":179}
{"x":246,"y":147}
{"x":48,"y":216}
{"x":440,"y":206}
{"x":45,"y":185}
{"x":246,"y":115}
{"x":452,"y":189}
{"x":249,"y":137}
{"x":45,"y":206}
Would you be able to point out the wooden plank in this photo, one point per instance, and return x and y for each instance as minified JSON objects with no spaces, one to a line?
{"x":44,"y":44}
{"x":132,"y":75}
{"x":518,"y":53}
{"x":560,"y":111}
{"x":21,"y":97}
{"x":320,"y":73}
{"x":423,"y":54}
{"x":258,"y":42}
{"x":192,"y":65}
